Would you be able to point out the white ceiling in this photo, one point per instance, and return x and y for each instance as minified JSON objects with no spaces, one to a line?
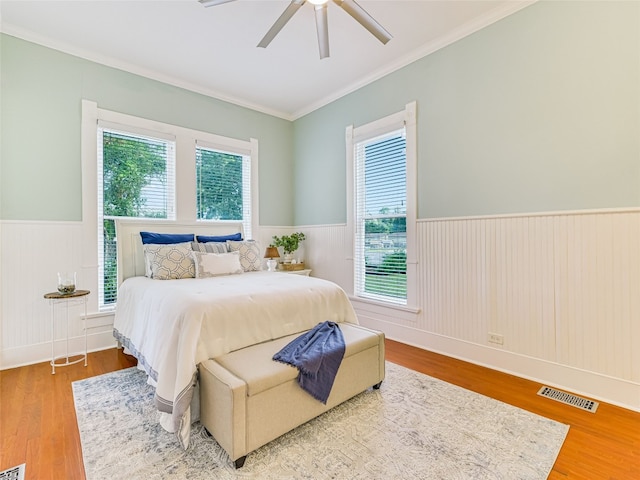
{"x":213,"y":50}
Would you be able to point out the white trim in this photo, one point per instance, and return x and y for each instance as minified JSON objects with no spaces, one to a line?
{"x":376,"y":305}
{"x":185,"y":172}
{"x":41,"y":352}
{"x":407,"y":119}
{"x":89,"y":167}
{"x":136,"y":130}
{"x":556,"y":213}
{"x":325,"y":225}
{"x":137,"y":70}
{"x":382,"y":126}
{"x":623,"y":393}
{"x":351,"y":208}
{"x":503,"y":10}
{"x":255,"y":189}
{"x":411,"y":135}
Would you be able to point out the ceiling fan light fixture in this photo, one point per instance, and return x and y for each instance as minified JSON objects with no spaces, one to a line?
{"x":351,"y":7}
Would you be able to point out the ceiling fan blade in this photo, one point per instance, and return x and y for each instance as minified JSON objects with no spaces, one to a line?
{"x":322,"y":26}
{"x":281,"y":22}
{"x":364,"y":19}
{"x":212,"y":3}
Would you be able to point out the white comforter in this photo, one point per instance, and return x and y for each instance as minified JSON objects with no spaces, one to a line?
{"x":173,"y":325}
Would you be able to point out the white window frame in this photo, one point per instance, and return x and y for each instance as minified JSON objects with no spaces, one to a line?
{"x":407,"y":119}
{"x":247,"y":168}
{"x":185,"y":175}
{"x":134,"y":132}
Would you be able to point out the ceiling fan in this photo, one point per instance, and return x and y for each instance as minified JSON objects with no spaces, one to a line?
{"x":320,"y":7}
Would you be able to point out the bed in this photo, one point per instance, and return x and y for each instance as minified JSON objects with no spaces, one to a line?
{"x":171,"y":326}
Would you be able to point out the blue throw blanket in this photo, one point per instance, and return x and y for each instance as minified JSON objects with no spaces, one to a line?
{"x":317,"y":355}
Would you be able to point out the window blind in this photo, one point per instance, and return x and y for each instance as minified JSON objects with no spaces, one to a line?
{"x":381,"y":207}
{"x":136,"y":179}
{"x":223,"y":186}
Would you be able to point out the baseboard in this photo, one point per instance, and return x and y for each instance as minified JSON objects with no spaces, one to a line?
{"x":41,"y":352}
{"x":590,"y":384}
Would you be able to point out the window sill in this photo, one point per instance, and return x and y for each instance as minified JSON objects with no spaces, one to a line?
{"x":402,"y":308}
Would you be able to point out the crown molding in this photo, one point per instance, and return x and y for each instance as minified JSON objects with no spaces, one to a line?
{"x":500,"y":12}
{"x":64,"y":47}
{"x":459,"y":33}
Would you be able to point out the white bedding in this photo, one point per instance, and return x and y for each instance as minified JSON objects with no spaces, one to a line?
{"x":173,"y":325}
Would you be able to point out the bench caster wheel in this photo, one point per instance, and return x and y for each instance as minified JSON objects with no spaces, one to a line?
{"x":240,"y":462}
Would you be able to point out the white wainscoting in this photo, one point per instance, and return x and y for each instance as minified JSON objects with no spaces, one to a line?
{"x":31,"y":255}
{"x":563,"y":289}
{"x":322,"y":250}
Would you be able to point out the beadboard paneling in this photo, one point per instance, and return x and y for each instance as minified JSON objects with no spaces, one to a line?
{"x":489,"y":275}
{"x":597,"y":304}
{"x":561,"y":288}
{"x":325,"y":250}
{"x":32,"y":254}
{"x":564,"y":288}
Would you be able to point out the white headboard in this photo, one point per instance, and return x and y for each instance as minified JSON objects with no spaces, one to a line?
{"x":130,"y":253}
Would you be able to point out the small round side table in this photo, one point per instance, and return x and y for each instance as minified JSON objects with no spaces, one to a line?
{"x":79,"y":297}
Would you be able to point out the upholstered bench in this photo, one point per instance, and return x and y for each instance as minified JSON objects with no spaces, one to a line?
{"x":252,"y":399}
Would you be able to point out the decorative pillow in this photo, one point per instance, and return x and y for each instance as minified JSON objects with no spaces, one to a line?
{"x":170,"y":262}
{"x":165,"y":238}
{"x":249,"y":251}
{"x":211,"y":247}
{"x":216,"y":264}
{"x":219,"y":238}
{"x":162,"y":239}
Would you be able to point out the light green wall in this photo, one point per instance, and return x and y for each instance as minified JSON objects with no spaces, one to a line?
{"x":537,"y":112}
{"x":42,"y":89}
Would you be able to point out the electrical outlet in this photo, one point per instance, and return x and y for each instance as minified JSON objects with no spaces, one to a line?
{"x":496,"y":338}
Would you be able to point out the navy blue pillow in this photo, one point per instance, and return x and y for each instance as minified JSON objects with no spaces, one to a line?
{"x":219,"y":238}
{"x":165,"y":238}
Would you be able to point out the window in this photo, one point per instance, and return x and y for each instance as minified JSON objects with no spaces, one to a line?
{"x":381,"y":158}
{"x":223,"y":186}
{"x":135,"y":180}
{"x":381,"y":213}
{"x":139,"y":168}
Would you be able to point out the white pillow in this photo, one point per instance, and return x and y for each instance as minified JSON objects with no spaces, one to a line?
{"x":216,"y":264}
{"x":249,"y":251}
{"x":170,"y":262}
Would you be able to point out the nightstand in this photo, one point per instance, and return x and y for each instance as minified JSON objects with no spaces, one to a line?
{"x":79,"y":297}
{"x":304,"y":272}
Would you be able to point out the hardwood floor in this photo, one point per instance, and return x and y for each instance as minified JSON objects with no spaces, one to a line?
{"x":38,"y":422}
{"x":38,"y":419}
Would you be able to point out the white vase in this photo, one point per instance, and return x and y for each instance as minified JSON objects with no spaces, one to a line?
{"x":288,"y":257}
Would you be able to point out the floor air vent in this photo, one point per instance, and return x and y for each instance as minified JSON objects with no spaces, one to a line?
{"x":15,"y":473}
{"x":569,"y":399}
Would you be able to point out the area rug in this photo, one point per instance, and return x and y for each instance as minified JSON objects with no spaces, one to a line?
{"x":414,"y":427}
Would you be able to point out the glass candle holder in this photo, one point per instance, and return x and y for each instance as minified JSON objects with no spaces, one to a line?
{"x":66,"y":282}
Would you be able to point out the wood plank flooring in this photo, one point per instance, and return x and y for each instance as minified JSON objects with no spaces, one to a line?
{"x":38,"y":419}
{"x":38,"y":422}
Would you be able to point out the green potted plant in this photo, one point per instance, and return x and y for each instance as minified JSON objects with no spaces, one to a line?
{"x":289,"y":243}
